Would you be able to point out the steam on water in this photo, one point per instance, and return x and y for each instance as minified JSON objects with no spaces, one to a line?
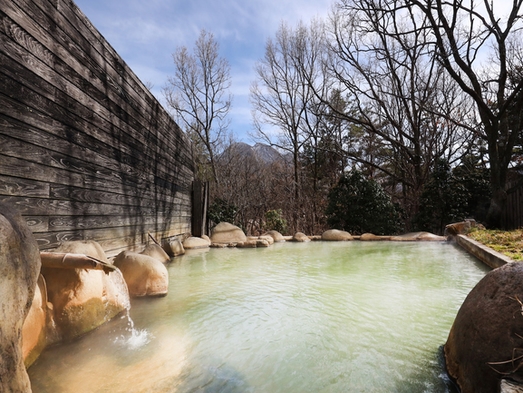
{"x":317,"y":317}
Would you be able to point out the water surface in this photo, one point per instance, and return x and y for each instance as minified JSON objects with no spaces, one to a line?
{"x":315,"y":317}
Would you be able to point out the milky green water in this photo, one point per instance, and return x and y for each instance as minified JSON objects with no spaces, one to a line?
{"x":315,"y":317}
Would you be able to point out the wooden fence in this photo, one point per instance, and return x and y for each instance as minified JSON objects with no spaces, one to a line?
{"x":86,"y":152}
{"x":514,"y":211}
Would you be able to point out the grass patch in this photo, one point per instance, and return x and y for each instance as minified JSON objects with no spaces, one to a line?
{"x":509,"y":243}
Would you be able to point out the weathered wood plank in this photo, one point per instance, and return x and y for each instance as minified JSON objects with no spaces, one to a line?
{"x":109,"y":238}
{"x":82,"y":189}
{"x":86,"y":151}
{"x":20,"y":186}
{"x":56,"y":71}
{"x":37,"y":224}
{"x":94,"y":196}
{"x":41,"y":207}
{"x":70,"y":223}
{"x":104,"y":171}
{"x":15,"y":114}
{"x":117,"y":80}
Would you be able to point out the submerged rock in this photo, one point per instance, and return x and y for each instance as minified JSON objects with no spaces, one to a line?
{"x":485,"y":343}
{"x":226,"y":233}
{"x":144,"y":275}
{"x":336,"y":235}
{"x":19,"y":270}
{"x":418,"y":236}
{"x":372,"y":237}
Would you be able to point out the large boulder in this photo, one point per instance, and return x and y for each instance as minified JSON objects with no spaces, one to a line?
{"x":34,"y":331}
{"x":336,"y":235}
{"x":84,"y":299}
{"x":157,"y":252}
{"x":19,"y":270}
{"x":485,"y":343}
{"x":194,"y":242}
{"x":277,"y":236}
{"x":144,"y":275}
{"x":226,"y":233}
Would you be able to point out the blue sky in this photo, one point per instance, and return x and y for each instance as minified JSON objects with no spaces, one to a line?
{"x":146,"y":33}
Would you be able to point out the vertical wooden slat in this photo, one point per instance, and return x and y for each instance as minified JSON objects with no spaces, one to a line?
{"x":197,"y":208}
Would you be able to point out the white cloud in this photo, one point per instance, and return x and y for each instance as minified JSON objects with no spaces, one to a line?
{"x":146,"y":33}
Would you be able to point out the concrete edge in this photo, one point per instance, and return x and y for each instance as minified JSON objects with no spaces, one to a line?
{"x":485,"y":254}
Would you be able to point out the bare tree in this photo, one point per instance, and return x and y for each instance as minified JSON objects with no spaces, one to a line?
{"x":252,"y":185}
{"x":282,"y":97}
{"x":406,"y":103}
{"x":476,"y":42}
{"x":198,"y":94}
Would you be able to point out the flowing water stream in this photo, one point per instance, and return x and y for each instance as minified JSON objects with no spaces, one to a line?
{"x":314,"y":317}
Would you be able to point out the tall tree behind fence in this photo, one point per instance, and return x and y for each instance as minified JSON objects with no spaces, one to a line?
{"x":86,"y":152}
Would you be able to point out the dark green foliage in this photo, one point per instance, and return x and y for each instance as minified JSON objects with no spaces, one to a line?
{"x":222,"y":211}
{"x":475,"y":177}
{"x":444,"y":200}
{"x":274,"y":221}
{"x":359,"y":205}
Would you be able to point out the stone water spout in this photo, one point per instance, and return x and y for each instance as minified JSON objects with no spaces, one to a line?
{"x":84,"y":288}
{"x":60,"y":260}
{"x":76,"y":293}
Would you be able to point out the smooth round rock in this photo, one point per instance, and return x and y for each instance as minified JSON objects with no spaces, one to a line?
{"x":144,"y":275}
{"x":157,"y":252}
{"x":300,"y":237}
{"x":485,"y":343}
{"x":277,"y":236}
{"x":226,"y":233}
{"x":336,"y":235}
{"x":195,"y":242}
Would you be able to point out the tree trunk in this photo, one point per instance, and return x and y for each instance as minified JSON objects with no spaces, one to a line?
{"x":498,"y":175}
{"x":496,"y":211}
{"x":296,"y":203}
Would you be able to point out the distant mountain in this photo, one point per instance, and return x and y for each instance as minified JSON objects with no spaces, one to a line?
{"x":261,"y":152}
{"x":267,"y":153}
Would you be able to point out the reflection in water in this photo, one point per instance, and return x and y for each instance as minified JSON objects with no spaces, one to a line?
{"x":317,"y":317}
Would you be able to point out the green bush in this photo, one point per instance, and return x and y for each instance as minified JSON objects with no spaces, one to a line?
{"x":359,"y":205}
{"x":445,"y":199}
{"x":274,"y":221}
{"x":222,"y":211}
